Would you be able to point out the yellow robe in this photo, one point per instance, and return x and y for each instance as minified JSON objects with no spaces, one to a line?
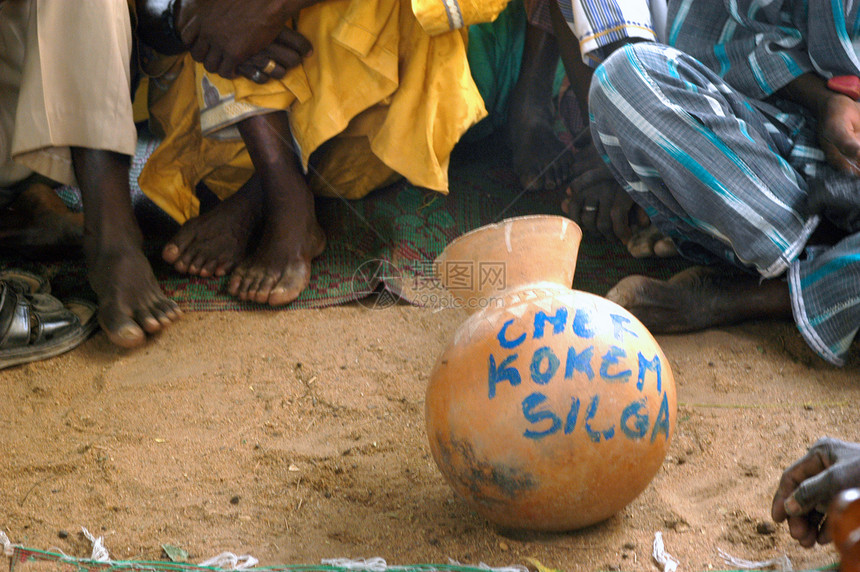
{"x":387,"y":92}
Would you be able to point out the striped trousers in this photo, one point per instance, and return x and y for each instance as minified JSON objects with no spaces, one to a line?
{"x":728,"y":178}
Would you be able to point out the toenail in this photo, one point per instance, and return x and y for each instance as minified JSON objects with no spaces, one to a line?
{"x":128,"y":333}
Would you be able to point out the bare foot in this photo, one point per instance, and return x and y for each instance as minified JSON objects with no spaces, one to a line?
{"x":131,"y":303}
{"x":39,"y":225}
{"x":541,"y":159}
{"x":213,"y":243}
{"x":700,"y":297}
{"x":280,"y":268}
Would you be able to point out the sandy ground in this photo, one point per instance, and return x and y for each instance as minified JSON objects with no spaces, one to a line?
{"x":299,"y":435}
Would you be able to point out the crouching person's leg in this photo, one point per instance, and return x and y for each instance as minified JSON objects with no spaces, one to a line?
{"x":687,"y":148}
{"x":74,"y":124}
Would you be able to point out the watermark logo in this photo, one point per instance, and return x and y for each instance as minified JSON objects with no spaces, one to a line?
{"x":377,"y":284}
{"x":468,"y":284}
{"x":461,"y":275}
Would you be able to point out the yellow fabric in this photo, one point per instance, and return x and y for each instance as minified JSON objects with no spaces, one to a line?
{"x":378,"y":93}
{"x":439,"y":16}
{"x":185,"y":157}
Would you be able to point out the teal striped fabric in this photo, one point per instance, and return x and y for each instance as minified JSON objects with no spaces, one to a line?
{"x":697,"y":136}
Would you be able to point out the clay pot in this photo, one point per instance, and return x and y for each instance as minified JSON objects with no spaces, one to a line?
{"x":845,"y":518}
{"x":551,"y":409}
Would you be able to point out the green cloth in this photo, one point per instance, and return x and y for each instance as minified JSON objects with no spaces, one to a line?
{"x":495,"y":54}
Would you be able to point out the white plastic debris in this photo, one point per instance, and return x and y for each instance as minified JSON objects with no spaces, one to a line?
{"x":667,"y":562}
{"x":371,"y":564}
{"x":782,"y":563}
{"x":483,"y":566}
{"x":229,"y":561}
{"x":8,"y":549}
{"x":100,"y":553}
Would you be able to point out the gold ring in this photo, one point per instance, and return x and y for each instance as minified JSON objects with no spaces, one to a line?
{"x":270,"y":67}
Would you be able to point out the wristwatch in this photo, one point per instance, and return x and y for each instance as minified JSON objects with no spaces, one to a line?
{"x":846,"y":85}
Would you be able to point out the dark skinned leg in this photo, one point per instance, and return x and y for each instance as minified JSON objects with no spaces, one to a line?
{"x":280,"y":266}
{"x":647,"y":240}
{"x":541,"y":160}
{"x":701,"y":297}
{"x":131,"y":303}
{"x":578,"y":73}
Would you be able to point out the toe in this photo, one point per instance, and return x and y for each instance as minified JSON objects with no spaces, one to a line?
{"x":295,"y":280}
{"x":145,"y":318}
{"x":170,"y":309}
{"x":236,"y":280}
{"x":121,"y":330}
{"x":208,"y":269}
{"x":249,"y":286}
{"x":264,"y":288}
{"x":170,"y":253}
{"x":197,"y":263}
{"x":665,"y":248}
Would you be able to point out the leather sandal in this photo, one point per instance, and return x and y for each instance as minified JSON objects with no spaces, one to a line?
{"x":35,"y":325}
{"x":30,"y":283}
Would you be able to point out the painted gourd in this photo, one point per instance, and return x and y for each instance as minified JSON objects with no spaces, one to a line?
{"x":551,"y":409}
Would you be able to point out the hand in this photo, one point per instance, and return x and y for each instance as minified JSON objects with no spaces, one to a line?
{"x":807,"y":487}
{"x":839,"y":133}
{"x":597,"y":202}
{"x":287,"y":51}
{"x":222,"y":34}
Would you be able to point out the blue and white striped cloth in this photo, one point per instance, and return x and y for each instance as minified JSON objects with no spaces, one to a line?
{"x":721,"y":170}
{"x":598,"y":23}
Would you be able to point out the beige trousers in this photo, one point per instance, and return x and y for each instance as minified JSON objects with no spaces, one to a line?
{"x":64,"y":82}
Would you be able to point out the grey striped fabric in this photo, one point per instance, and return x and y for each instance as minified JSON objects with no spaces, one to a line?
{"x":726,"y":174}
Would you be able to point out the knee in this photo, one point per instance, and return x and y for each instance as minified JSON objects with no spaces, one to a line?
{"x":626,"y":80}
{"x":629,"y":69}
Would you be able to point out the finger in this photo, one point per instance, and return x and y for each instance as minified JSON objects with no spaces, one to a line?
{"x":295,"y":41}
{"x":199,"y":50}
{"x":278,"y":72}
{"x":845,"y":141}
{"x":252,"y":73}
{"x":620,"y":216}
{"x":588,"y":216}
{"x":604,"y":217}
{"x":267,"y":65}
{"x":642,"y":218}
{"x":804,"y":529}
{"x":286,"y":58}
{"x":809,"y":465}
{"x":574,"y":205}
{"x":591,"y":178}
{"x":188,"y":27}
{"x":814,"y":492}
{"x":212,"y":61}
{"x":227,"y":67}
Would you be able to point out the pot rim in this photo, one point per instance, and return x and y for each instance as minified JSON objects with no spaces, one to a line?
{"x":494,"y":225}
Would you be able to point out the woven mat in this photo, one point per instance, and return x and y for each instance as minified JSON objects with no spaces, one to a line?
{"x":394,"y":232}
